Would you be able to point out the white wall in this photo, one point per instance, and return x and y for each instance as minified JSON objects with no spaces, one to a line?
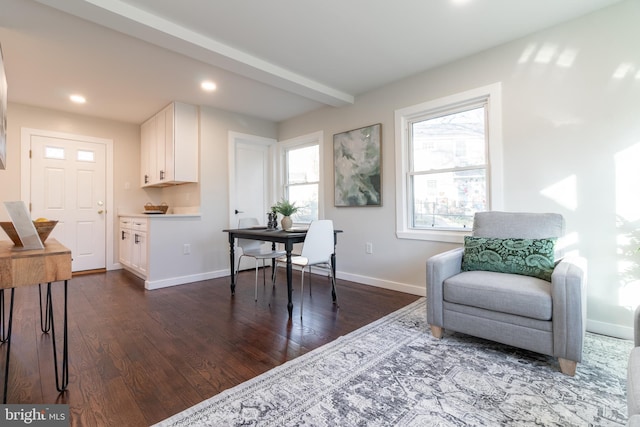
{"x":571,"y":135}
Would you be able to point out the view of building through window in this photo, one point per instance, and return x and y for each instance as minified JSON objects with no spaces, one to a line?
{"x":303,"y":180}
{"x":448,"y":170}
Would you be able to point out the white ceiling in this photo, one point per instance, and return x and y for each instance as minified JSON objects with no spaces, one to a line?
{"x":272,"y":59}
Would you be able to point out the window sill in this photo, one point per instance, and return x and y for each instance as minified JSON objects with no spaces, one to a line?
{"x":447,"y":236}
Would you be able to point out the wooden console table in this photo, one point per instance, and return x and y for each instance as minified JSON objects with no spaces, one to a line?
{"x":18,"y":268}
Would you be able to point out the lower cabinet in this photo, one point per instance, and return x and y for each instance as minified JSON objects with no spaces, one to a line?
{"x":164,"y":250}
{"x":134,"y":245}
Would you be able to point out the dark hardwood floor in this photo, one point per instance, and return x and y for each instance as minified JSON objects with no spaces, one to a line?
{"x":138,"y":357}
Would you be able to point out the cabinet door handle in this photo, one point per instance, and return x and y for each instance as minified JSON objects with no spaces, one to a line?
{"x":135,"y":239}
{"x":122,"y":234}
{"x":146,"y":179}
{"x":161,"y":175}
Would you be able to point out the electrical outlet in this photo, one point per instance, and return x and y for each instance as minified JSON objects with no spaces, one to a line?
{"x":368,"y":247}
{"x":186,"y":249}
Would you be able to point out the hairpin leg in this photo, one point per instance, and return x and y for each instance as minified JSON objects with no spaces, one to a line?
{"x":45,"y":325}
{"x":62,"y":380}
{"x":6,"y":338}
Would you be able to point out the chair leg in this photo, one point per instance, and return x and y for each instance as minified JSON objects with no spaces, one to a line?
{"x":567,"y":367}
{"x":301,"y":290}
{"x":436,"y":331}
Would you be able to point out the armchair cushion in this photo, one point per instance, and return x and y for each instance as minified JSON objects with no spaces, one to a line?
{"x":506,"y":293}
{"x":529,"y":257}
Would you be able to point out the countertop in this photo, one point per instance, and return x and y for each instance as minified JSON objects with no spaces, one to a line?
{"x":160,"y":216}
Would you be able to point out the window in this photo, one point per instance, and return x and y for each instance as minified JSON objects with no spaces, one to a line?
{"x":449,"y":167}
{"x":301,"y":183}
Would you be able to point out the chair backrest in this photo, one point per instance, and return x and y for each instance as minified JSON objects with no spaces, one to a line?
{"x":523,"y":225}
{"x":502,"y":225}
{"x":248,"y":243}
{"x":318,"y":243}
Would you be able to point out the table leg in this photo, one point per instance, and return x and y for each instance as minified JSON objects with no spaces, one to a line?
{"x":62,"y":380}
{"x":333,"y":271}
{"x":45,"y":326}
{"x":232,"y":259}
{"x":6,"y":338}
{"x":289,"y":248}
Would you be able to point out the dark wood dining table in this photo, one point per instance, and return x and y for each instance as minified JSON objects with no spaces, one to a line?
{"x":287,"y":238}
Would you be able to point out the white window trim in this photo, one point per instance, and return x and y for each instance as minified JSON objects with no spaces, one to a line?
{"x":493,"y":93}
{"x":300,"y":141}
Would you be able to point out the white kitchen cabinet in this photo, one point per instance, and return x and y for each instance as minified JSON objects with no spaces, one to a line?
{"x":133,"y":246}
{"x":169,"y":146}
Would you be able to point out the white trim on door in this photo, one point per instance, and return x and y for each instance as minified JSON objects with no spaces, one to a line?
{"x":25,"y":177}
{"x":234,"y":137}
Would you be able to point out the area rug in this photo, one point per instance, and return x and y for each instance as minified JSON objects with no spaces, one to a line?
{"x":394,"y":373}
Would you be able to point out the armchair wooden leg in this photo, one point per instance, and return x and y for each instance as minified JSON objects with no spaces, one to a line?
{"x":568,"y":367}
{"x":436,"y":331}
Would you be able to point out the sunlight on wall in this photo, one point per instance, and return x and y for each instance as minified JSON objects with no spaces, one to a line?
{"x":622,"y":70}
{"x":628,"y":216}
{"x":547,"y":53}
{"x":563,"y":192}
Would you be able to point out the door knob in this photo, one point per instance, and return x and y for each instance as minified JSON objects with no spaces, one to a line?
{"x":100,"y":211}
{"x":237,"y":211}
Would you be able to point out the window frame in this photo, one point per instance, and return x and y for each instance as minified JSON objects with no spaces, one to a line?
{"x":492,"y":94}
{"x":308,"y":140}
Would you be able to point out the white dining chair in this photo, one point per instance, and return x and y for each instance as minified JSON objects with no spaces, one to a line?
{"x":317,"y":249}
{"x":257,"y":250}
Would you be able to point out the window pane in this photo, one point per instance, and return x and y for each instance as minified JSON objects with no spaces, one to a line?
{"x":306,"y":198}
{"x":86,"y":156}
{"x":54,"y":153}
{"x":451,"y":141}
{"x":303,"y":165}
{"x":448,"y":200}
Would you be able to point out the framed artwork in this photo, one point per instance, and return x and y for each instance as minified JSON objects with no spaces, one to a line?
{"x":357,"y":167}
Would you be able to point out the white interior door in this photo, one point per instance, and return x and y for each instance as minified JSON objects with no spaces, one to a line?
{"x":251,"y":180}
{"x":68,"y":184}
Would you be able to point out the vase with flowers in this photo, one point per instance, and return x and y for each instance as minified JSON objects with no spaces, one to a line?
{"x":286,"y":209}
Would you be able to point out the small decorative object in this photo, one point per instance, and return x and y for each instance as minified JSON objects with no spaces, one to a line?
{"x":161,"y":208}
{"x":272,"y":222}
{"x":44,"y":227}
{"x":286,"y":209}
{"x":357,"y":170}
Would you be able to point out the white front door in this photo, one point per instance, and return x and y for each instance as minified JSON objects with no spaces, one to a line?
{"x":68,"y":184}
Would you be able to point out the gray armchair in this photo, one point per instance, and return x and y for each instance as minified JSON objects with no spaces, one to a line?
{"x":523,"y":311}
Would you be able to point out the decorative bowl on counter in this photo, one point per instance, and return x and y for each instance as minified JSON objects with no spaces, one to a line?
{"x":159,"y":209}
{"x":44,"y":228}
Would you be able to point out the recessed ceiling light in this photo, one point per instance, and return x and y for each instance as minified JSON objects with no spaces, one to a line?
{"x":78,"y":99}
{"x":208,"y":85}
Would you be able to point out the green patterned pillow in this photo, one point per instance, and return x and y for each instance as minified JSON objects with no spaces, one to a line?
{"x":530,"y":257}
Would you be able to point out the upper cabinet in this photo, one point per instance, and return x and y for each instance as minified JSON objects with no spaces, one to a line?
{"x":169,"y":146}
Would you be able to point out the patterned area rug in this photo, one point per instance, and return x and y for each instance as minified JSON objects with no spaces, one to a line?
{"x":394,"y":373}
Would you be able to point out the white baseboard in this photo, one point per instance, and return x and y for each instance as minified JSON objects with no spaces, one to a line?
{"x":183,"y":280}
{"x":610,"y":329}
{"x":420,"y":290}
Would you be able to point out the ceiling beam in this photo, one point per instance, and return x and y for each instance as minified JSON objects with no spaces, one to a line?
{"x":121,"y":16}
